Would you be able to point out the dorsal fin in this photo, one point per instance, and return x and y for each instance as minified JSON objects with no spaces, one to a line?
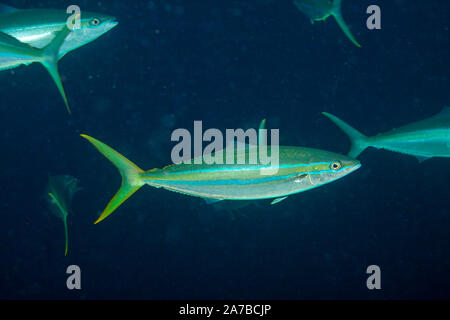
{"x":6,"y":9}
{"x":262,"y":138}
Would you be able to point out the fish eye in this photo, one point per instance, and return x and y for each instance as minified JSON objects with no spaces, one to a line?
{"x":336,"y":166}
{"x":95,"y":22}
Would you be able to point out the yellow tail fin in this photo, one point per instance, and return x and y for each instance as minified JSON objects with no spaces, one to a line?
{"x":131,"y":179}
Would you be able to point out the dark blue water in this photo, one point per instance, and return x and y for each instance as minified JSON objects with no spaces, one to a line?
{"x":229,"y":64}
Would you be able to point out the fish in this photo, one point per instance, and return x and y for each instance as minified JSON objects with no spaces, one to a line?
{"x":59,"y":193}
{"x":14,"y":53}
{"x":423,"y":139}
{"x":39,"y":28}
{"x":299,"y":169}
{"x":320,"y":10}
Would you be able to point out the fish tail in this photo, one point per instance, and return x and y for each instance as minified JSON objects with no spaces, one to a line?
{"x":337,"y":14}
{"x":131,"y":176}
{"x":49,"y":59}
{"x":358,"y":140}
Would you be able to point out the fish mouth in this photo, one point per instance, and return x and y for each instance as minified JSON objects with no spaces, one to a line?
{"x":113,"y":23}
{"x":354,"y":167}
{"x":109,"y":22}
{"x":109,"y":25}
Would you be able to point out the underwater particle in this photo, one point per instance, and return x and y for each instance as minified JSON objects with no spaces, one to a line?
{"x":59,"y":193}
{"x":168,"y":120}
{"x":178,"y":10}
{"x":102,"y":105}
{"x":151,"y":5}
{"x":173,"y":234}
{"x":235,"y":12}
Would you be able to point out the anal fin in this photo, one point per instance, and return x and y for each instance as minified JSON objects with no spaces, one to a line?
{"x":422,"y":158}
{"x":211,"y":200}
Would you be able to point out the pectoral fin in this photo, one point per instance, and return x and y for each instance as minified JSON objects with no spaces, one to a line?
{"x":277,"y":200}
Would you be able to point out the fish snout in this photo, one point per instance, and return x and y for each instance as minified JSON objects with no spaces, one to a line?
{"x":351,"y":165}
{"x":111,"y":23}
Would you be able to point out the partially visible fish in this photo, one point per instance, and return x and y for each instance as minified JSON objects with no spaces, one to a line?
{"x":423,"y":139}
{"x":59,"y":194}
{"x":42,"y":35}
{"x":14,"y":53}
{"x":319,"y":10}
{"x":38,"y":27}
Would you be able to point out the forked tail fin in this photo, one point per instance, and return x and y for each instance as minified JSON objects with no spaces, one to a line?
{"x":337,"y":14}
{"x":131,"y":179}
{"x":357,"y":139}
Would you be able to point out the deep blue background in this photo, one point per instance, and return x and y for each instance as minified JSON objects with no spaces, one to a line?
{"x":229,"y":63}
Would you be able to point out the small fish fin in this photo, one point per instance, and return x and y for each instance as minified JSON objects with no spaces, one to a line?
{"x":262,"y":125}
{"x":50,"y":57}
{"x":211,"y":200}
{"x":66,"y":232}
{"x":63,"y":216}
{"x":277,"y":200}
{"x":62,"y":213}
{"x":131,"y":176}
{"x":422,"y":158}
{"x":357,"y":139}
{"x":6,"y":9}
{"x":262,"y":138}
{"x":337,"y":14}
